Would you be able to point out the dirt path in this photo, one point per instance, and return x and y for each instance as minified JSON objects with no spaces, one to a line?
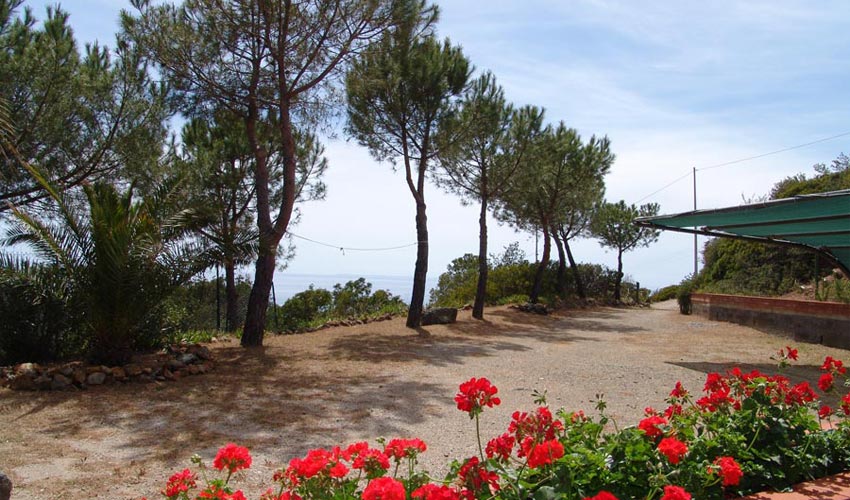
{"x":347,"y":384}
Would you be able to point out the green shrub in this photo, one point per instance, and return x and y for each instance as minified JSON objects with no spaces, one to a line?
{"x":39,"y":323}
{"x":303,"y":308}
{"x":316,"y":306}
{"x":666,"y":293}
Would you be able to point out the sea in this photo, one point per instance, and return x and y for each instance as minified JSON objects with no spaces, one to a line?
{"x":288,"y":284}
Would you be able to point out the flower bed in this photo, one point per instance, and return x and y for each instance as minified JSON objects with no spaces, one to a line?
{"x":746,"y":432}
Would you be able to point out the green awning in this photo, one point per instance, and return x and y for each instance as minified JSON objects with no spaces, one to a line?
{"x":819,"y":222}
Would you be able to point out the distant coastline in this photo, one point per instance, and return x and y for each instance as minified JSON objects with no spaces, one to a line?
{"x":288,"y":284}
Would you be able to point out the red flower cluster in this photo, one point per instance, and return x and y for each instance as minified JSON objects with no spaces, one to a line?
{"x":286,"y":495}
{"x":825,"y":411}
{"x":474,"y":477}
{"x":384,"y":488}
{"x":675,"y":493}
{"x":218,"y":493}
{"x":678,"y":392}
{"x":232,"y":458}
{"x":434,"y":492}
{"x":178,"y":483}
{"x":401,"y":448}
{"x":833,"y":365}
{"x":825,"y":382}
{"x":602,"y":495}
{"x":316,"y":462}
{"x":373,"y":462}
{"x":650,"y":425}
{"x":475,"y":394}
{"x":791,"y":353}
{"x":545,"y":453}
{"x":533,"y":428}
{"x":673,"y":449}
{"x":730,"y":471}
{"x":501,"y":447}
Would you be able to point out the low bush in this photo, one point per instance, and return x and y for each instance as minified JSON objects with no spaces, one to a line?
{"x":316,"y":306}
{"x":511,"y":275}
{"x":667,"y":293}
{"x":747,"y":432}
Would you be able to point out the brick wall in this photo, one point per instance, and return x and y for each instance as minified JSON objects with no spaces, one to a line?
{"x":826,"y":323}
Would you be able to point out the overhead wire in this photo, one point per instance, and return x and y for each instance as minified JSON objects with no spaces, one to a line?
{"x":343,"y":248}
{"x":741,"y":160}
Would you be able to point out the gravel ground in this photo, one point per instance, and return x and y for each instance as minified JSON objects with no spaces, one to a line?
{"x":343,"y":385}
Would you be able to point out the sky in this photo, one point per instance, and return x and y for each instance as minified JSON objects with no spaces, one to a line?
{"x":674,"y":85}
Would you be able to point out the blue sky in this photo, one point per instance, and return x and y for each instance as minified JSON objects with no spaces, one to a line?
{"x":674,"y":85}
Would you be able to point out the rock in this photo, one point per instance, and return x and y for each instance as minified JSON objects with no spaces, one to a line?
{"x":79,"y":376}
{"x":534,"y":308}
{"x":22,"y":383}
{"x":30,"y":369}
{"x":96,"y":378}
{"x":133,"y":370}
{"x":43,"y":382}
{"x":5,"y":487}
{"x":175,"y":364}
{"x":60,"y":382}
{"x":68,"y":371}
{"x":118,"y":373}
{"x":440,"y":316}
{"x":201,"y":352}
{"x":193,"y":369}
{"x":188,"y":358}
{"x":167,"y":374}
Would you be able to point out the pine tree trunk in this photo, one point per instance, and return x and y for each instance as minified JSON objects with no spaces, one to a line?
{"x":420,"y":273}
{"x":541,"y":267}
{"x":561,"y":283}
{"x":483,"y":268}
{"x":619,"y":280}
{"x":258,"y":301}
{"x":232,"y":299}
{"x":576,"y":273}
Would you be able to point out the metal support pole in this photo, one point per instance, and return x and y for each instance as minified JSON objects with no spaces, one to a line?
{"x":696,"y":246}
{"x":217,"y":300}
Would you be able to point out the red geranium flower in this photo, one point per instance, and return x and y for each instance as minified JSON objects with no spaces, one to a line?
{"x":675,"y":493}
{"x":800,"y":394}
{"x":501,"y":447}
{"x":730,"y":471}
{"x":400,"y":448}
{"x":217,"y":493}
{"x":673,"y":449}
{"x":650,"y":426}
{"x":475,"y":394}
{"x":530,"y":428}
{"x":678,"y":391}
{"x":845,"y":404}
{"x":433,"y":492}
{"x":232,"y":458}
{"x":825,"y":382}
{"x":545,"y":453}
{"x":825,"y":411}
{"x":474,"y":476}
{"x":178,"y":483}
{"x":831,"y":364}
{"x":384,"y":488}
{"x":602,"y":495}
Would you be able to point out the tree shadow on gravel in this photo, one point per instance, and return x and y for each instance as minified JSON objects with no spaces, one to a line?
{"x":256,"y":397}
{"x":795,"y":373}
{"x":436,"y":350}
{"x":562,"y":323}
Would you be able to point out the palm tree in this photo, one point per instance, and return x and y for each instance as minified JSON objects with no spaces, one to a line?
{"x":122,"y":257}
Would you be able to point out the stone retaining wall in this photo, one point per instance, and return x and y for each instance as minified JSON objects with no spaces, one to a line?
{"x":826,"y":323}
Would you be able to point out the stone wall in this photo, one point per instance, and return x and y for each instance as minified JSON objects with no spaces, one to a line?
{"x":826,"y":323}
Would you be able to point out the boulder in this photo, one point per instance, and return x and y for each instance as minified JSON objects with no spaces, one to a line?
{"x":60,"y":382}
{"x":439,"y":316}
{"x":133,"y":370}
{"x":534,"y":308}
{"x":96,"y":378}
{"x":188,"y":358}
